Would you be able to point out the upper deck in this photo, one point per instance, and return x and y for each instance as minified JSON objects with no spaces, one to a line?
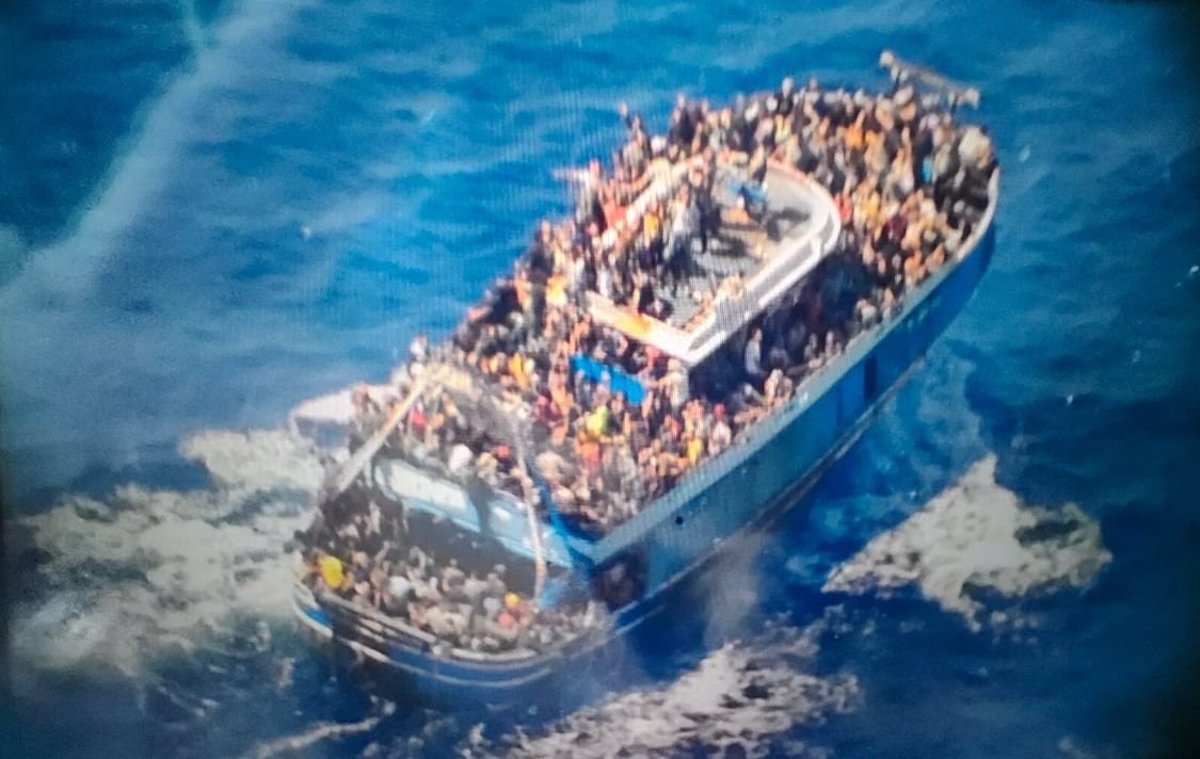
{"x":745,"y":268}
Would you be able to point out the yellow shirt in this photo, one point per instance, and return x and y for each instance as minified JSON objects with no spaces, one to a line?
{"x":597,"y":422}
{"x":556,"y":290}
{"x":651,"y":224}
{"x":331,"y":571}
{"x":516,"y":367}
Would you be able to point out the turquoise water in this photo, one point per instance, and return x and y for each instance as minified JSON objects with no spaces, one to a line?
{"x":211,"y":211}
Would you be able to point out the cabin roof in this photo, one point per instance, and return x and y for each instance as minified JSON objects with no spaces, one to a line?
{"x":743,"y":272}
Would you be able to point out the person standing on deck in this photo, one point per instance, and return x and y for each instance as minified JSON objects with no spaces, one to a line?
{"x":676,"y":385}
{"x":684,"y":227}
{"x":752,"y":356}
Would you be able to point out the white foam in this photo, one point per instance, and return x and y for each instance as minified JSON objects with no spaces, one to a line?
{"x":41,"y":294}
{"x":318,"y":732}
{"x":978,"y":534}
{"x":255,"y":460}
{"x":138,"y":176}
{"x":744,"y":692}
{"x":1071,"y":748}
{"x":143,"y":568}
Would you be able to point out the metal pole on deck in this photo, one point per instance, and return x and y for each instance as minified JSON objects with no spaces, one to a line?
{"x":462,"y":382}
{"x":349,"y":471}
{"x":535,"y":535}
{"x":904,"y":71}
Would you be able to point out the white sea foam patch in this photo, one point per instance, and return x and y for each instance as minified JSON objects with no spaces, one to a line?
{"x":119,"y":578}
{"x":743,"y":694}
{"x":978,"y":535}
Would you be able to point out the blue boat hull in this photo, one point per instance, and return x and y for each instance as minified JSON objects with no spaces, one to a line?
{"x":746,"y":489}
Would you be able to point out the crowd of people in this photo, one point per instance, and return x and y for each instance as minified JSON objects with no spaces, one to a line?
{"x":437,"y":580}
{"x":910,"y":185}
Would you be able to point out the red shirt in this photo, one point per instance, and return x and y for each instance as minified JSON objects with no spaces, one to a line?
{"x":417,"y":419}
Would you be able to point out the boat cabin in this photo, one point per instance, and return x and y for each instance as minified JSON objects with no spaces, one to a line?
{"x":740,"y":275}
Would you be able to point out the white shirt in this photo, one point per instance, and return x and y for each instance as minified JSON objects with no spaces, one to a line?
{"x":399,"y":586}
{"x":604,"y":282}
{"x":459,"y":459}
{"x":375,"y":518}
{"x":678,"y":389}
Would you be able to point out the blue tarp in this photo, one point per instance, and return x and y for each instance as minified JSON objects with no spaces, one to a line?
{"x":618,"y":380}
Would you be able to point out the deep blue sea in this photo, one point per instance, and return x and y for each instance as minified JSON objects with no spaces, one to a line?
{"x":212,"y":210}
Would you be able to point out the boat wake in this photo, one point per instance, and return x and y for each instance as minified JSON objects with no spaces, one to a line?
{"x":317,"y":733}
{"x":741,"y":700}
{"x":978,"y":539}
{"x":138,"y":175}
{"x":115,"y":581}
{"x":124,"y":581}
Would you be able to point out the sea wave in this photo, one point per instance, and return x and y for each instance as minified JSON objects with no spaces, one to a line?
{"x":113,"y":581}
{"x":975,"y":538}
{"x":741,"y":699}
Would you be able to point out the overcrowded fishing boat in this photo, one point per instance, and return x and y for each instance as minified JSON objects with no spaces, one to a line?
{"x":672,"y":365}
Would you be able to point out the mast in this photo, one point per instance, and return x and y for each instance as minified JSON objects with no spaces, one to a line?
{"x":528,"y":499}
{"x":347,"y":473}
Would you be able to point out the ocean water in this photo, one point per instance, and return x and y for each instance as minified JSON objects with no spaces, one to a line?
{"x":213,"y":210}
